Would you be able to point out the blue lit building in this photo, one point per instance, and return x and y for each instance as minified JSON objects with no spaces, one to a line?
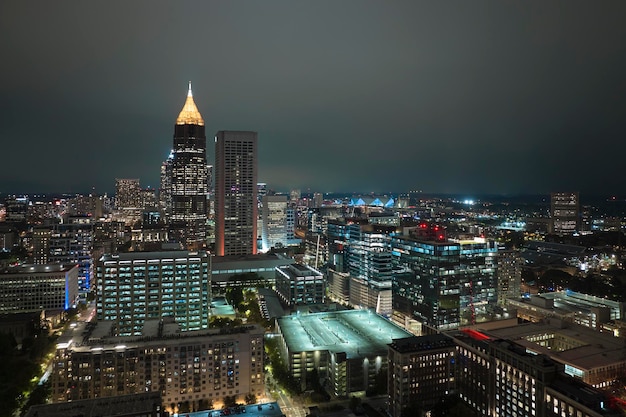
{"x":38,"y":287}
{"x":70,"y":242}
{"x":133,"y":287}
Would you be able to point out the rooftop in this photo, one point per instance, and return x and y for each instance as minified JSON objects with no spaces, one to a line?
{"x":593,"y":349}
{"x":141,"y":256}
{"x":28,"y":269}
{"x":422,"y":343}
{"x":358,"y":333}
{"x":124,"y":405}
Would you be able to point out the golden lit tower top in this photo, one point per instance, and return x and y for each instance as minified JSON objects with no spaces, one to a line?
{"x":190,"y":115}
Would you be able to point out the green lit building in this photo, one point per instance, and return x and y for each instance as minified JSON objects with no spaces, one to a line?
{"x":133,"y":287}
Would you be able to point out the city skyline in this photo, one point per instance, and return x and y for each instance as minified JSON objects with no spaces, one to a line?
{"x":476,"y":98}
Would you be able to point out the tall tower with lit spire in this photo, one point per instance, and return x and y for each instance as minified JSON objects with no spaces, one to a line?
{"x":189,"y":184}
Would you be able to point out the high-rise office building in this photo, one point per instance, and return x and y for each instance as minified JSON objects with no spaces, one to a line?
{"x":445,"y":283}
{"x":189,"y":185}
{"x":509,"y":276}
{"x":127,"y":193}
{"x":565,"y":212}
{"x":421,"y":372}
{"x":70,"y":243}
{"x":165,"y":188}
{"x":236,"y":207}
{"x":274,"y":218}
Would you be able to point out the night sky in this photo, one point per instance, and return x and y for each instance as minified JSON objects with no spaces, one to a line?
{"x":368,"y":96}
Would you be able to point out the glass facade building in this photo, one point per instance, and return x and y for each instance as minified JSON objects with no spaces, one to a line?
{"x":432,"y":285}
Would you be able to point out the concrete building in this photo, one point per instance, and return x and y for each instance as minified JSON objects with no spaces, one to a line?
{"x":184,"y":367}
{"x":346,"y":348}
{"x":339,"y":286}
{"x":136,"y":286}
{"x":190,"y":176}
{"x":300,"y":284}
{"x":375,"y":295}
{"x":38,"y":287}
{"x":569,"y":306}
{"x":421,"y":372}
{"x":236,"y":204}
{"x":499,"y":377}
{"x":596,"y":358}
{"x":570,"y":397}
{"x":493,"y":375}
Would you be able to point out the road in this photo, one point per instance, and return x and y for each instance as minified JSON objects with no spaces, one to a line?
{"x":289,"y":407}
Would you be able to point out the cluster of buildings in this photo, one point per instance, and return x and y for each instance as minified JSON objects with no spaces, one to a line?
{"x":414,"y":294}
{"x":494,"y":374}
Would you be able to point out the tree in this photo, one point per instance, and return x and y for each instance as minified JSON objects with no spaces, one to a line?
{"x":205,"y":404}
{"x":184,"y":407}
{"x":234,"y":295}
{"x":355,"y":402}
{"x":412,"y":410}
{"x":7,"y":344}
{"x":230,"y":401}
{"x":250,"y":398}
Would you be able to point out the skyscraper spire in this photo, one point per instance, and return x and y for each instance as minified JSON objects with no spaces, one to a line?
{"x":189,"y":175}
{"x":190,"y":115}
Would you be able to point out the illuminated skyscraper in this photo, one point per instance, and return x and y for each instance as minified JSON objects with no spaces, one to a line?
{"x":189,"y":186}
{"x":274,"y":218}
{"x":127,"y":193}
{"x":165,"y":190}
{"x":236,"y":205}
{"x":565,"y":211}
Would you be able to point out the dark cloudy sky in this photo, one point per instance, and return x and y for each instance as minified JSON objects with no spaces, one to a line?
{"x":451,"y":97}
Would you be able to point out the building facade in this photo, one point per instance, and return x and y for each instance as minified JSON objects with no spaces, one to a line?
{"x":70,"y":242}
{"x":134,"y":287}
{"x":509,"y":276}
{"x":127,"y":193}
{"x":192,"y":367}
{"x":38,"y":287}
{"x":299,"y":284}
{"x":421,"y":372}
{"x":236,"y":205}
{"x":444,"y":283}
